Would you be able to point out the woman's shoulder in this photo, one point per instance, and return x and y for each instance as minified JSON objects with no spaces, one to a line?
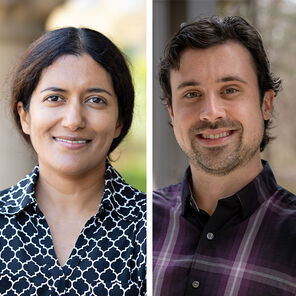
{"x":126,"y":197}
{"x":16,"y":197}
{"x":112,"y":175}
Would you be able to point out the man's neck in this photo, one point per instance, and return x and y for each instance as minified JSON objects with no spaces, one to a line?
{"x":208,"y":188}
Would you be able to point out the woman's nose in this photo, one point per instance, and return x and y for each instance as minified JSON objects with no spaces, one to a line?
{"x":74,"y":118}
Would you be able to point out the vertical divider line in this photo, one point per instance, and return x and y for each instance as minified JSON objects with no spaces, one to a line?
{"x":149,"y":142}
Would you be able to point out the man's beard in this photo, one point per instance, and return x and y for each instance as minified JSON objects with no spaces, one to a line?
{"x":221,"y":160}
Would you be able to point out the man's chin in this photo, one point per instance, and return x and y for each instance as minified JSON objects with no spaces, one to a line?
{"x":218,"y":170}
{"x":215,"y":162}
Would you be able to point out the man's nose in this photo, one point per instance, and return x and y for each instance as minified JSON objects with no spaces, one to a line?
{"x":212,"y":108}
{"x":74,"y":117}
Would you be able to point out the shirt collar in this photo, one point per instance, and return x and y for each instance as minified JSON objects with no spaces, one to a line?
{"x":257,"y":191}
{"x":16,"y":198}
{"x":186,"y":191}
{"x":251,"y":196}
{"x":118,"y":196}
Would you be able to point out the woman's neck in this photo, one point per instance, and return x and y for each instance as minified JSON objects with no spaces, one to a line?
{"x":70,"y":192}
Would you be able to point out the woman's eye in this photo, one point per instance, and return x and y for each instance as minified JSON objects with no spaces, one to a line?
{"x":53,"y":99}
{"x":96,"y":100}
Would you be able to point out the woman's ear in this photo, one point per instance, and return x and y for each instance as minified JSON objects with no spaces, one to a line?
{"x":118,"y":129}
{"x":24,"y":118}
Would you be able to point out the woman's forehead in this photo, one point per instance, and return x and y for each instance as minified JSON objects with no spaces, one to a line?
{"x":79,"y":71}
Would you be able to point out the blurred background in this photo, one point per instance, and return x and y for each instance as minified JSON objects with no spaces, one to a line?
{"x":124,"y":22}
{"x":276,"y":21}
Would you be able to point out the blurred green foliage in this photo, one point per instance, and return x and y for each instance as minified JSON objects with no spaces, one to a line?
{"x":130,"y":157}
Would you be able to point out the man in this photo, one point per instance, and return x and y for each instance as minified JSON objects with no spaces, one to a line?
{"x":228,"y":228}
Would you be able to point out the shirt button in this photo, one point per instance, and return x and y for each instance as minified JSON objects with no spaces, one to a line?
{"x":195,"y":284}
{"x":210,"y":235}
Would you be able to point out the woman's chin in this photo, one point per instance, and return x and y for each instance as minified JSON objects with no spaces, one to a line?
{"x":73,"y":168}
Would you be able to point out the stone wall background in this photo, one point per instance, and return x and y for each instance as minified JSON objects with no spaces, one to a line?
{"x":21,"y":21}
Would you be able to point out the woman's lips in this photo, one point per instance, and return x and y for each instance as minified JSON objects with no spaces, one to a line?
{"x":72,"y":142}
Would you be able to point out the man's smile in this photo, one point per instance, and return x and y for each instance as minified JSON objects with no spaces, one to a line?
{"x":215,"y":135}
{"x":210,"y":138}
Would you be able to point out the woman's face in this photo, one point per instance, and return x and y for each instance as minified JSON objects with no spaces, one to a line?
{"x":73,"y":116}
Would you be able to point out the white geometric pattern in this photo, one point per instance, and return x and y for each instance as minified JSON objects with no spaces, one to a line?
{"x":109,"y":255}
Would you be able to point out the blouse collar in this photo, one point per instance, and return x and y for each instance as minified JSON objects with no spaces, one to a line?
{"x":118,"y":196}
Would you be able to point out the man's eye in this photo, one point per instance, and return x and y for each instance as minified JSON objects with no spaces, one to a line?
{"x":192,"y":94}
{"x":96,"y":100}
{"x":53,"y":99}
{"x":229,"y":91}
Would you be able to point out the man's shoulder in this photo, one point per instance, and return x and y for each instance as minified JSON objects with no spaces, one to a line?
{"x":168,"y":196}
{"x":286,"y":199}
{"x":168,"y":192}
{"x":286,"y":193}
{"x":279,"y":211}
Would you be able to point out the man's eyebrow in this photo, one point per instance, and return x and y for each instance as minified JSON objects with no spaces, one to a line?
{"x":188,"y":83}
{"x":90,"y":90}
{"x":232,"y":78}
{"x":223,"y":79}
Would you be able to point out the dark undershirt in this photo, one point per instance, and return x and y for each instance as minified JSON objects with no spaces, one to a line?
{"x":227,"y":213}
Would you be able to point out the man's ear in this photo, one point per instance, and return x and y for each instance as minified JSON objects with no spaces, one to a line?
{"x":24,"y":118}
{"x":267,"y":104}
{"x":170,"y":109}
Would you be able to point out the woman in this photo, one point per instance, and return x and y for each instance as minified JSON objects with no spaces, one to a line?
{"x":72,"y":226}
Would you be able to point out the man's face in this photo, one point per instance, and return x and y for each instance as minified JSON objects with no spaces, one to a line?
{"x":216,"y":111}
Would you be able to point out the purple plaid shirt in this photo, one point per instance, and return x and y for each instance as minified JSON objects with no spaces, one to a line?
{"x":248,"y":250}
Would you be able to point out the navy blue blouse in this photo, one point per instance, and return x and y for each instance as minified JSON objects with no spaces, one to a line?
{"x":109,"y":255}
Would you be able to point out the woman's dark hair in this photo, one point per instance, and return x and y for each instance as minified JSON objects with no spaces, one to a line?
{"x":216,"y":30}
{"x":74,"y":41}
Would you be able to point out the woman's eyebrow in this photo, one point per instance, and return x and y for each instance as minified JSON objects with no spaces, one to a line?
{"x":91,"y":90}
{"x":98,"y":89}
{"x":53,"y":88}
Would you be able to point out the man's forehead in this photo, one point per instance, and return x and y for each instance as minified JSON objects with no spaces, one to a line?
{"x":232,"y":45}
{"x":219,"y":63}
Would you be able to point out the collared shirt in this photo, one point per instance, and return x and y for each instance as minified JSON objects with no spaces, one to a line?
{"x":247,"y":247}
{"x":109,"y":255}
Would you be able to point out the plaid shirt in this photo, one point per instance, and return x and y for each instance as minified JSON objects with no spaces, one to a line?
{"x":248,"y":250}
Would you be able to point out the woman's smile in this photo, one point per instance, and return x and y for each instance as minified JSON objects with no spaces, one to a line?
{"x":72,"y":142}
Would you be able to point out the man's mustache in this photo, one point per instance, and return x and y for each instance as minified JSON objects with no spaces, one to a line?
{"x":206,"y":125}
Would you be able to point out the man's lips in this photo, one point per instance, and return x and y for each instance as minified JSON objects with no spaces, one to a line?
{"x":214,"y":134}
{"x":211,"y":138}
